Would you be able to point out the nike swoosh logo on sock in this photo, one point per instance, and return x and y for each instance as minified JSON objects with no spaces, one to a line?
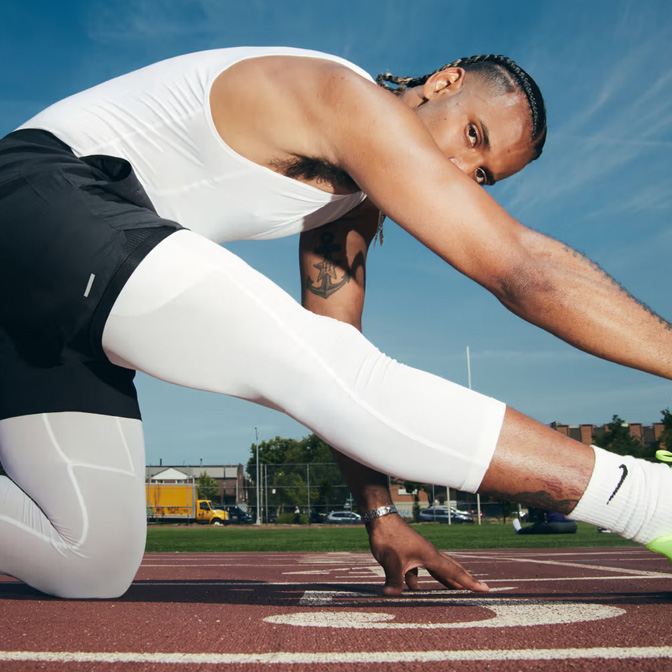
{"x":620,"y":483}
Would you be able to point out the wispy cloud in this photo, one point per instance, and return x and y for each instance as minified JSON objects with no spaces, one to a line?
{"x":155,"y":21}
{"x":651,"y":198}
{"x":617,"y":113}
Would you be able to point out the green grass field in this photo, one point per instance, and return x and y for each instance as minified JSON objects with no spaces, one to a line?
{"x":234,"y":539}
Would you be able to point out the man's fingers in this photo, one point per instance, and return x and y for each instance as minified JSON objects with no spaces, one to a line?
{"x":451,"y":573}
{"x":394,"y":577}
{"x":393,"y":587}
{"x":401,"y":551}
{"x":412,"y":579}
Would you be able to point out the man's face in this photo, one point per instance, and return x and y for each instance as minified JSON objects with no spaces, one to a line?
{"x":486,"y":136}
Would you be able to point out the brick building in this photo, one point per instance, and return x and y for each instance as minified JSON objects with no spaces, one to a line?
{"x":647,"y":434}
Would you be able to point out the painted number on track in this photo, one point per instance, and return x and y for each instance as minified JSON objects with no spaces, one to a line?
{"x":495,"y":613}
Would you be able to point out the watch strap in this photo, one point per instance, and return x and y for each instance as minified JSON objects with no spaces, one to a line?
{"x":379,"y":512}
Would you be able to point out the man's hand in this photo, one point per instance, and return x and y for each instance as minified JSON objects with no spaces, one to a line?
{"x":396,"y":546}
{"x":401,"y":551}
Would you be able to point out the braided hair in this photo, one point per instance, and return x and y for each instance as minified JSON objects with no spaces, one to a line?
{"x":500,"y":72}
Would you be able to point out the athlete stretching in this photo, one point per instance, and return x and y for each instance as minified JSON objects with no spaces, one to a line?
{"x":257,"y":143}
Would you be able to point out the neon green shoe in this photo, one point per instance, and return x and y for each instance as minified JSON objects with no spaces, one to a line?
{"x":662,"y":545}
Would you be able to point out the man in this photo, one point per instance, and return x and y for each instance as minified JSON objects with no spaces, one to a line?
{"x":257,"y":143}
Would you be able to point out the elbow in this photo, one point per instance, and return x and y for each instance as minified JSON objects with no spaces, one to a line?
{"x":524,"y":289}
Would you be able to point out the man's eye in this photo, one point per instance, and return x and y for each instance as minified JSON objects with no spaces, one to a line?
{"x":481,"y":177}
{"x":472,"y":135}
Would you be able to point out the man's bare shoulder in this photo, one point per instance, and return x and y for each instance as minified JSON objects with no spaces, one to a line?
{"x":271,"y":87}
{"x":269,"y":91}
{"x":282,"y":112}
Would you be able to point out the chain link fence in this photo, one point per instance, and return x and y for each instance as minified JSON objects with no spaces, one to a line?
{"x":299,"y":492}
{"x":306,"y":492}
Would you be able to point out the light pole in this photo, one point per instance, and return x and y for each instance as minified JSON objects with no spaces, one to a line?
{"x":266,"y":492}
{"x":308,"y":490}
{"x":478,"y":497}
{"x":256,"y":434}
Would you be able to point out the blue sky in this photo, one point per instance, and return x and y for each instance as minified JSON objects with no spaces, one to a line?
{"x":602,"y":185}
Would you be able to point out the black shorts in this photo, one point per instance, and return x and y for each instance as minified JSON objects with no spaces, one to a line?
{"x":72,"y":230}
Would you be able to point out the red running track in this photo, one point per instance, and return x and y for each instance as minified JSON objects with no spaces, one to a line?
{"x":552,"y":610}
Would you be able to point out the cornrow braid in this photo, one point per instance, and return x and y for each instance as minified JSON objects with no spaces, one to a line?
{"x":499,"y":71}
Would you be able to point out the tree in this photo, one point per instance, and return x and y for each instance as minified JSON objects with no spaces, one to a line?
{"x":290,"y":463}
{"x":617,"y":439}
{"x":207,"y":487}
{"x":274,"y":451}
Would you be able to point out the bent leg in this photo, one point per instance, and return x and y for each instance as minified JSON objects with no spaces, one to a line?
{"x":72,"y":520}
{"x":535,"y":465}
{"x":194,"y":314}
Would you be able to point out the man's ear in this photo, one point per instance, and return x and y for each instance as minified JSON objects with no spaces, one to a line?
{"x":448,"y":81}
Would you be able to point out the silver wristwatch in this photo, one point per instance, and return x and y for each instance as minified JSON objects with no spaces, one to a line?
{"x":379,"y":512}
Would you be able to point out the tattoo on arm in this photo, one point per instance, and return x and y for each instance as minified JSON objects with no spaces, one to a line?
{"x":328,"y":281}
{"x":596,"y":267}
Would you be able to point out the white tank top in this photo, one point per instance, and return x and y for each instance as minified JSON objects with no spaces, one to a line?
{"x":159,"y":119}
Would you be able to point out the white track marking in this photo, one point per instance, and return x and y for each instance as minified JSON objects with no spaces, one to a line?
{"x":316,"y":571}
{"x":560,"y":553}
{"x":288,"y":584}
{"x":225,"y":564}
{"x":505,"y":613}
{"x":323,"y":598}
{"x":354,"y":657}
{"x":576,"y":565}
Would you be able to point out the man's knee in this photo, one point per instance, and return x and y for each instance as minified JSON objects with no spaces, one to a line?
{"x":105,"y":564}
{"x":91,"y":576}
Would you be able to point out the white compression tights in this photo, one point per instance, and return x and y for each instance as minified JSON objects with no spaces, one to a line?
{"x":72,"y":517}
{"x":196,"y":315}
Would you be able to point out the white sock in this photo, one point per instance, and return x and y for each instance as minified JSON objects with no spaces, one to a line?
{"x":629,"y":496}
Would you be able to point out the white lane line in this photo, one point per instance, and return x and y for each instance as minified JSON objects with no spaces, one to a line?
{"x":288,"y":584}
{"x":197,"y":565}
{"x":358,"y":657}
{"x":346,"y":581}
{"x":578,"y":565}
{"x":562,"y":553}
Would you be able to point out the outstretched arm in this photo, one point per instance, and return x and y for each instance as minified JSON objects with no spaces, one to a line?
{"x":333,"y":279}
{"x":325,"y":112}
{"x":536,"y":277}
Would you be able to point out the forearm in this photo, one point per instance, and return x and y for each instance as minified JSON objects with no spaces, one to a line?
{"x":570,"y":296}
{"x":341,"y":249}
{"x":369,"y":488}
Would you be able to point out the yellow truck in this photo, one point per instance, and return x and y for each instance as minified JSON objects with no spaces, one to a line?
{"x":178,"y":502}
